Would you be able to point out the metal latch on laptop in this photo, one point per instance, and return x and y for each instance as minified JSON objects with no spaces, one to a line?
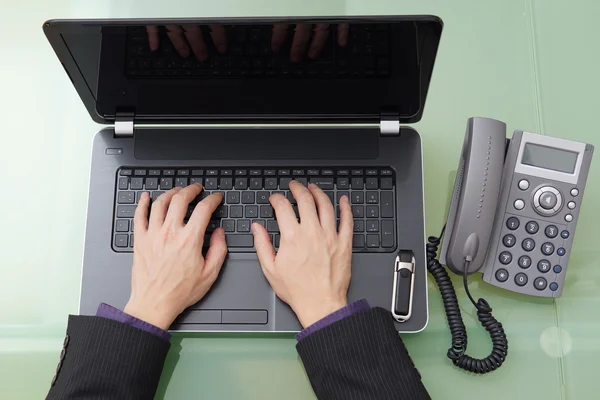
{"x":404,"y":284}
{"x":389,"y":125}
{"x":124,"y":125}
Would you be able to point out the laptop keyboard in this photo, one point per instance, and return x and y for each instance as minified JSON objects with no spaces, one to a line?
{"x":246,"y":193}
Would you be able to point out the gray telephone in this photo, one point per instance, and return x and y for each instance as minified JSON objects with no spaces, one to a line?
{"x":512,"y":216}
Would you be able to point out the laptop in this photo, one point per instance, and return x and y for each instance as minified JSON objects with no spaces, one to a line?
{"x":243,"y":106}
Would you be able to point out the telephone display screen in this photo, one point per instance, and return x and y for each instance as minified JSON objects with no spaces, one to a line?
{"x":549,"y":158}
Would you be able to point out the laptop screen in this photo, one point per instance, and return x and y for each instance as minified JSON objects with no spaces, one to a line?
{"x":239,"y":70}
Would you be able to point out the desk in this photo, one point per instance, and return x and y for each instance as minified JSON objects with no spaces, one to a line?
{"x":531,"y":63}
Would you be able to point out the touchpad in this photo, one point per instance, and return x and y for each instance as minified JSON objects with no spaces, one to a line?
{"x":256,"y":144}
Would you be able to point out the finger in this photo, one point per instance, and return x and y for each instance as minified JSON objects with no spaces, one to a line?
{"x":180,"y":203}
{"x":219,"y":37}
{"x":264,"y":247}
{"x":279,"y":35}
{"x":343,"y":34}
{"x":202,"y":213}
{"x":175,"y":33}
{"x":160,"y":207}
{"x":153,"y":38}
{"x":319,"y":39}
{"x":140,"y":219}
{"x":286,"y":218}
{"x":325,"y":208}
{"x":306,"y":203}
{"x":193,"y":34}
{"x":346,"y":221}
{"x":217,"y":251}
{"x":300,"y":42}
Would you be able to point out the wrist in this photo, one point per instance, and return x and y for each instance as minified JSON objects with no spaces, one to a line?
{"x":309,"y":314}
{"x":149,"y":314}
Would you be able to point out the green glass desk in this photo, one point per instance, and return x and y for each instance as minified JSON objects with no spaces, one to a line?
{"x":531,"y":63}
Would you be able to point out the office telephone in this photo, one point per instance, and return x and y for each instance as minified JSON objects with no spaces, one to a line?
{"x":512,"y":216}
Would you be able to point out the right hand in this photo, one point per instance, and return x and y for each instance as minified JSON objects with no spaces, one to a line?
{"x":311,"y":270}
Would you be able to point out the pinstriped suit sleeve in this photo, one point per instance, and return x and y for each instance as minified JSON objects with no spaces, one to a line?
{"x":361,"y":357}
{"x":106,"y":359}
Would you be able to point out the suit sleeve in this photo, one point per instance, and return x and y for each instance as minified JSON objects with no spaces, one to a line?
{"x":361,"y":357}
{"x":105,"y":359}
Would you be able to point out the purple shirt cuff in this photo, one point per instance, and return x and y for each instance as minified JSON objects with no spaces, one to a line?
{"x":106,"y":311}
{"x":350,"y":309}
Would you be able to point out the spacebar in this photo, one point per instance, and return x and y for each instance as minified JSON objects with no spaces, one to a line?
{"x":239,"y":240}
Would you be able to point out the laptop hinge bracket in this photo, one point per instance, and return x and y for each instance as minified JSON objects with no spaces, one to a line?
{"x":389,"y":125}
{"x":124,"y":124}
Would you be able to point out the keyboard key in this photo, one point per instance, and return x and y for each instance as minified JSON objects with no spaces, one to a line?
{"x":212,"y":172}
{"x":256,"y":183}
{"x":125,"y":211}
{"x":303,"y":181}
{"x":270,"y":183}
{"x":358,"y":241}
{"x":154,"y":172}
{"x":386,"y":172}
{"x":226,"y":184}
{"x":198,"y":172}
{"x":195,"y":180}
{"x":220,"y":212}
{"x":387,"y":233}
{"x":212,"y":226}
{"x":229,"y":225}
{"x":343,"y":183}
{"x":251,"y":211}
{"x":211,"y":183}
{"x":325,"y":183}
{"x":284,"y":183}
{"x":272,"y":226}
{"x":372,"y":197}
{"x":372,"y":241}
{"x":371,"y":172}
{"x":357,"y":184}
{"x":122,"y":225}
{"x":121,"y":240}
{"x":139,"y":195}
{"x":241,"y":172}
{"x":340,"y":194}
{"x":266,"y":212}
{"x":125,"y":172}
{"x":358,"y":211}
{"x":372,"y":225}
{"x":262,"y":197}
{"x":151,"y":183}
{"x":313,"y":172}
{"x":255,"y":172}
{"x":359,"y":225}
{"x":277,"y":240}
{"x":233,"y":197}
{"x":226,"y":172}
{"x":181,"y":182}
{"x":290,"y":196}
{"x":387,"y":205}
{"x":261,"y":222}
{"x":136,"y":183}
{"x":131,"y":240}
{"x":343,"y":172}
{"x":248,"y":197}
{"x":372,"y":211}
{"x":239,"y":240}
{"x":123,"y":183}
{"x":139,"y":172}
{"x":156,"y":194}
{"x":387,"y":183}
{"x":270,"y":172}
{"x":243,"y":225}
{"x":331,"y":196}
{"x":372,"y":183}
{"x":166,"y":183}
{"x":357,"y":197}
{"x":356,"y":172}
{"x":284,"y":172}
{"x":126,"y":197}
{"x":298,"y":172}
{"x":327,"y":172}
{"x":236,"y":211}
{"x":241,"y":183}
{"x":183,"y":172}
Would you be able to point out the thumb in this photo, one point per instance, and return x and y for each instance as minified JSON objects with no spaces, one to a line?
{"x":264,"y":247}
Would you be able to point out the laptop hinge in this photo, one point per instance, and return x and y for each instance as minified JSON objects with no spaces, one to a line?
{"x":389,"y":125}
{"x":124,"y":124}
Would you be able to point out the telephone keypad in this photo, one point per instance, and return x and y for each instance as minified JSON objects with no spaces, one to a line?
{"x":521,"y":279}
{"x":528,"y":244}
{"x":505,"y":257}
{"x":509,"y":240}
{"x":540,"y":283}
{"x":543,"y":266}
{"x":532,"y":227}
{"x":551,"y":231}
{"x":512,"y":223}
{"x":524,"y":262}
{"x":547,"y":248}
{"x":502,"y":275}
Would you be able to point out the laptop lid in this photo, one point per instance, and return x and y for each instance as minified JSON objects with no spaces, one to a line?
{"x":302,"y":70}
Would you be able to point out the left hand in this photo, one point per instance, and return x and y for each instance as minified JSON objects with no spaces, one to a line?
{"x":169,"y":271}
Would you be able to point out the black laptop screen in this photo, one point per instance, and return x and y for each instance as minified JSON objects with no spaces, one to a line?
{"x":236,"y":70}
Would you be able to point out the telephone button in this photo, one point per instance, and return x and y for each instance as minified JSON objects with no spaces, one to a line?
{"x":571,"y":205}
{"x":532,"y":227}
{"x":561,"y":251}
{"x":505,"y":257}
{"x":557,"y":269}
{"x":540,"y":283}
{"x":554,"y":286}
{"x":509,"y":240}
{"x":568,"y":218}
{"x":524,"y":262}
{"x":543,"y":266}
{"x":551,"y":231}
{"x":519,"y":204}
{"x":523,"y":184}
{"x":528,"y":244}
{"x":521,"y":279}
{"x":564,"y":234}
{"x":548,"y":200}
{"x":502,"y":275}
{"x":547,"y":248}
{"x":574,"y":192}
{"x":512,"y":223}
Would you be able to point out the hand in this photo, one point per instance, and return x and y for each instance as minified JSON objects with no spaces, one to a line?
{"x":311,"y":270}
{"x":302,"y":36}
{"x":189,"y":36}
{"x":169,"y":272}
